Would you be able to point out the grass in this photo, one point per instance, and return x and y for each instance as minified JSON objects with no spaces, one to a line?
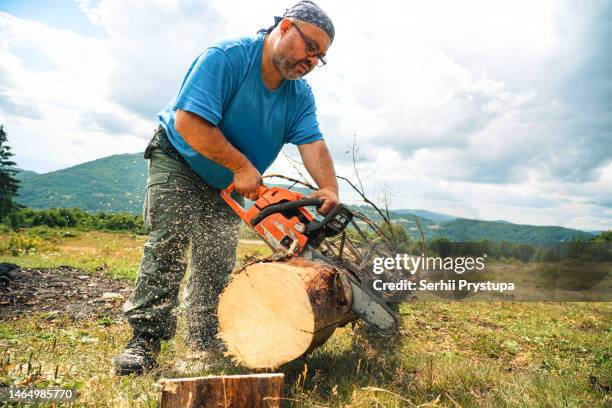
{"x":448,"y":354}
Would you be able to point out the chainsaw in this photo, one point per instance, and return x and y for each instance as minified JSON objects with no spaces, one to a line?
{"x":282,"y":219}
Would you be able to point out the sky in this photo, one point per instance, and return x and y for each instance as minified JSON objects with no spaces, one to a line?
{"x":493,"y":110}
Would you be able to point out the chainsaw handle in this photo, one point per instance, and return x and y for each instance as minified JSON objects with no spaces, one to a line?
{"x":289,"y":205}
{"x":230,"y":189}
{"x":226,"y":194}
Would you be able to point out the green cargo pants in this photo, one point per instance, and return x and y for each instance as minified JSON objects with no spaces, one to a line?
{"x":180,"y":209}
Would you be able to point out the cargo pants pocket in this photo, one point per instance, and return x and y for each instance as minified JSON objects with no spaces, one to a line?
{"x":154,"y":180}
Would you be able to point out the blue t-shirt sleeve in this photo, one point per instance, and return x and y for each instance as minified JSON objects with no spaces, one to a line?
{"x":305,"y":128}
{"x":207,"y":86}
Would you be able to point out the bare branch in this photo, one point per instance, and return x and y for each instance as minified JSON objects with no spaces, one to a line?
{"x":386,"y":200}
{"x":372,"y":225}
{"x":422,"y":241}
{"x":295,"y":163}
{"x":368,"y":201}
{"x":296,"y":181}
{"x":354,"y":150}
{"x":360,"y":190}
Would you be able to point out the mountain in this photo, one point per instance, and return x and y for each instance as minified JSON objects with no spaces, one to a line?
{"x":466,"y":230}
{"x":113,"y":183}
{"x":433,"y":216}
{"x":24,"y":174}
{"x":476,"y":230}
{"x":117,"y":183}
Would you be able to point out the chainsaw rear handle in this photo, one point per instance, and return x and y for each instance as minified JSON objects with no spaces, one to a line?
{"x":226,"y":194}
{"x":281,"y":207}
{"x":230,"y":189}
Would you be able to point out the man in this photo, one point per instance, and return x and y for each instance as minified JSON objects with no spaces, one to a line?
{"x":240,"y":102}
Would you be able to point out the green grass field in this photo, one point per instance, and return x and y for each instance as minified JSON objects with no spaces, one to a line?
{"x":448,"y":354}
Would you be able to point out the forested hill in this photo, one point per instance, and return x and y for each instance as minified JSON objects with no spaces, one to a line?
{"x":113,"y":183}
{"x":466,"y":230}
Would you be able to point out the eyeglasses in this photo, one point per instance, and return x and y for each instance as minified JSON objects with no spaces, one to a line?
{"x":312,"y":49}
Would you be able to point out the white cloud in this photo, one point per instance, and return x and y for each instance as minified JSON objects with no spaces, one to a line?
{"x":46,"y":110}
{"x":151,"y":44}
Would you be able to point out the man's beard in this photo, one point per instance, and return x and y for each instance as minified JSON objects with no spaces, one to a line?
{"x":290,"y":68}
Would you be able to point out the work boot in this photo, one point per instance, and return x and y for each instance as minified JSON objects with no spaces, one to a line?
{"x":139,"y":355}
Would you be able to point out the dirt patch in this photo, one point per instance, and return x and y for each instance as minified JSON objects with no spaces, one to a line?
{"x":64,"y":291}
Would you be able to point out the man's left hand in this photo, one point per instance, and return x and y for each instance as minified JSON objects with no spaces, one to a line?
{"x":329,"y":197}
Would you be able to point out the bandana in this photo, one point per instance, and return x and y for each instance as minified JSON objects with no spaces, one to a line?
{"x":308,"y":12}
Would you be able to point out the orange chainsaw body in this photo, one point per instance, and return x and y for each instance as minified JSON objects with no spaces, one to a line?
{"x":283,"y":232}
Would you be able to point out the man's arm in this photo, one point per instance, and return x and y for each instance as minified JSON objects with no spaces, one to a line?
{"x":319,"y":164}
{"x":209,"y":141}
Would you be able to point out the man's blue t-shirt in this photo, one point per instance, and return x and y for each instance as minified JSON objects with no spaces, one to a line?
{"x":225,"y":87}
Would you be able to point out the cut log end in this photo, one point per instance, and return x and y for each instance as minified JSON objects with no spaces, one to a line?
{"x":274,"y":312}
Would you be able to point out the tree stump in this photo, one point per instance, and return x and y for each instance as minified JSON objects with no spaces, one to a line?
{"x":226,"y":391}
{"x":273,"y":312}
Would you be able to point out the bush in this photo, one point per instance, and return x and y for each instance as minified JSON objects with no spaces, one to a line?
{"x":74,"y":218}
{"x":18,"y":245}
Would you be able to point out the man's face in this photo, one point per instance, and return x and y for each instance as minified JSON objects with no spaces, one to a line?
{"x":290,"y":57}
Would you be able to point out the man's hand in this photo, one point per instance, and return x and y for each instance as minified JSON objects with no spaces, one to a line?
{"x":247,"y":180}
{"x":318,"y":162}
{"x":329,"y":197}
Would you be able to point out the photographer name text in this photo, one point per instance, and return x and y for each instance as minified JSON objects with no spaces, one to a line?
{"x":446,"y":285}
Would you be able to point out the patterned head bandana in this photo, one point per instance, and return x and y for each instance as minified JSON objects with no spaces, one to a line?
{"x":308,"y":12}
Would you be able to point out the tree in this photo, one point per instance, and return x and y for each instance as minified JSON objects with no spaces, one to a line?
{"x":8,"y":182}
{"x":441,"y":246}
{"x":605,"y":236}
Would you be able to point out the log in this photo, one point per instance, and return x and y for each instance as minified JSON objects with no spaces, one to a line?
{"x":272,"y":313}
{"x":235,"y":391}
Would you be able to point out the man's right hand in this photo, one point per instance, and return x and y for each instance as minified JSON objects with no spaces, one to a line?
{"x":209,"y":141}
{"x":247,"y":180}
